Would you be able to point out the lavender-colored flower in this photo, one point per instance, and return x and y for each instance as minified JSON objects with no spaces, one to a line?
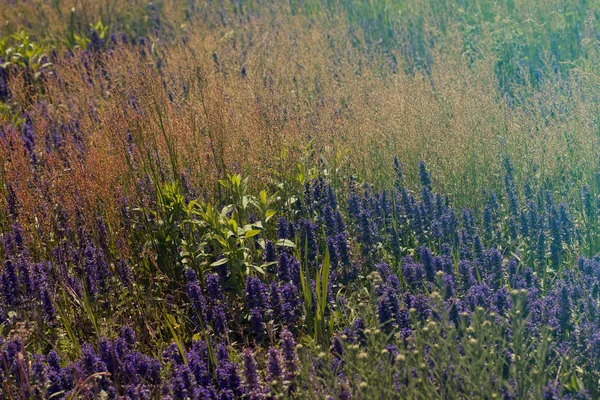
{"x":289,"y":355}
{"x":541,"y":246}
{"x":354,"y":208}
{"x":343,"y":248}
{"x":228,"y":377}
{"x":28,"y":137}
{"x":197,"y":299}
{"x":95,"y":272}
{"x":61,"y":379}
{"x":251,"y":371}
{"x":384,"y":311}
{"x":334,"y":256}
{"x":339,"y":222}
{"x":270,"y":255}
{"x":283,"y":228}
{"x":274,"y":365}
{"x":367,"y":233}
{"x":47,"y":304}
{"x":96,"y":42}
{"x":219,"y":318}
{"x":256,"y":321}
{"x":288,"y":268}
{"x":11,"y":198}
{"x":329,"y":220}
{"x":213,"y":287}
{"x":308,"y":240}
{"x":428,"y":265}
{"x":290,"y":306}
{"x":566,"y":224}
{"x":183,"y":382}
{"x":551,"y":392}
{"x":90,"y":362}
{"x":10,"y":284}
{"x":256,"y":293}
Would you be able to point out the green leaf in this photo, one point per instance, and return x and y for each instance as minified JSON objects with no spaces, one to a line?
{"x":285,"y":243}
{"x":258,"y":225}
{"x":269,"y":214}
{"x":171,"y":323}
{"x":259,"y":269}
{"x":252,"y":233}
{"x":263,"y":197}
{"x":324,"y":281}
{"x":219,"y":262}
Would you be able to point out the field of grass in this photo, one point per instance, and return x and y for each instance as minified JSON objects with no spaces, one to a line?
{"x":301,"y":199}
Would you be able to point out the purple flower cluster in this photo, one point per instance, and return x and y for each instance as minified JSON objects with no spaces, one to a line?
{"x":419,"y":255}
{"x":25,"y":286}
{"x":208,"y":306}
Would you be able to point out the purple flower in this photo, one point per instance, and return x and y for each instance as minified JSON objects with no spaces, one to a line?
{"x":274,"y":365}
{"x":343,"y":248}
{"x":213,"y":287}
{"x":288,"y":268}
{"x":250,"y":371}
{"x":424,"y":174}
{"x":290,"y":306}
{"x":413,"y":272}
{"x":308,"y":240}
{"x":196,"y":297}
{"x":256,"y":293}
{"x":219,"y":319}
{"x":329,"y":220}
{"x":290,"y":357}
{"x":269,"y":254}
{"x":256,"y":321}
{"x":384,"y":311}
{"x":10,"y":284}
{"x":125,"y":274}
{"x":334,"y":255}
{"x":427,"y":260}
{"x":551,"y":392}
{"x":95,"y":269}
{"x":283,"y":229}
{"x":228,"y":377}
{"x":90,"y":362}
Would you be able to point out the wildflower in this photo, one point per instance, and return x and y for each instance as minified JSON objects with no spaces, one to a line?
{"x":283,"y":228}
{"x":274,"y":365}
{"x":270,"y":255}
{"x":256,"y":293}
{"x":10,"y":284}
{"x":213,"y":287}
{"x":250,"y":371}
{"x":290,"y":303}
{"x":289,"y":355}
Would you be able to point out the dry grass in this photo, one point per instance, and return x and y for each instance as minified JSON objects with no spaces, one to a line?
{"x":308,"y":93}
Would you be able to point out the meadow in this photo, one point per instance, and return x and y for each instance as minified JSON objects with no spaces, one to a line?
{"x":303,"y":199}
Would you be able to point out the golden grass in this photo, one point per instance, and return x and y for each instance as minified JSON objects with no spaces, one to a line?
{"x":308,"y":93}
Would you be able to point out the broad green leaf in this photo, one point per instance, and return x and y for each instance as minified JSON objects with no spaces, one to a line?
{"x":252,"y":233}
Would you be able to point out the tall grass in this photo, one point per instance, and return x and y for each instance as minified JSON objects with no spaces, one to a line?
{"x":125,"y":136}
{"x":306,"y":85}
